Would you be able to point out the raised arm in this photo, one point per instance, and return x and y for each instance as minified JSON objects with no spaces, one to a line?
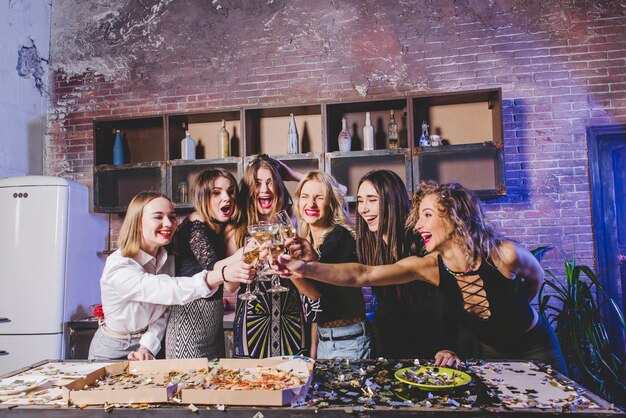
{"x":127,"y":278}
{"x":359,"y":275}
{"x":289,"y":174}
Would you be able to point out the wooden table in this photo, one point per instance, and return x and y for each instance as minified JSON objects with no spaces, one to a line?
{"x":340,"y":388}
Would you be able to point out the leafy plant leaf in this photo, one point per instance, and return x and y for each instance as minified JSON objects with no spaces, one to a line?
{"x":571,"y":305}
{"x":539,"y":252}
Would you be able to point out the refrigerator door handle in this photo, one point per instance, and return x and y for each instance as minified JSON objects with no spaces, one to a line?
{"x":4,"y":353}
{"x":4,"y":320}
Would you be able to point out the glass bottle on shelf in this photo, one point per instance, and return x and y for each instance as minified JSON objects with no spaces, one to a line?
{"x":188,"y":147}
{"x":183,"y":192}
{"x":118,"y":149}
{"x":368,"y":133}
{"x":392,"y":130}
{"x":425,"y":138}
{"x":223,"y":146}
{"x":344,"y":138}
{"x":292,"y":136}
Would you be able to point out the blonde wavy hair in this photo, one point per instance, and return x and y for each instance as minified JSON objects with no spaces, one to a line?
{"x":129,"y":240}
{"x":463,"y":210}
{"x":334,"y":198}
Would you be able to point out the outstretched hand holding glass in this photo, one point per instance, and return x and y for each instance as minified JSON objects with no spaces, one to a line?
{"x":276,"y":248}
{"x":250,"y":255}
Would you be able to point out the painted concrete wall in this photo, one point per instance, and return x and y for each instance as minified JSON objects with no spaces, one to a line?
{"x":24,"y":52}
{"x":561,"y":65}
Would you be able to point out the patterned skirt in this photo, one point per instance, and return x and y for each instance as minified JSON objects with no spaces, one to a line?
{"x":272,"y":325}
{"x":196,"y":330}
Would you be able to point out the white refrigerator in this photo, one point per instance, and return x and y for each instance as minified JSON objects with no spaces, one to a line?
{"x":49,"y":265}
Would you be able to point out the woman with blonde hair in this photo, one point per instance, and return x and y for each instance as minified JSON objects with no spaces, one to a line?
{"x":339,"y":327}
{"x":195,"y":330}
{"x":137,"y":286}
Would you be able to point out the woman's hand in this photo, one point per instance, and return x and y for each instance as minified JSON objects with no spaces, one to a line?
{"x":301,"y":249}
{"x":142,"y":354}
{"x":447,"y":358}
{"x":288,"y":267}
{"x":239,"y":272}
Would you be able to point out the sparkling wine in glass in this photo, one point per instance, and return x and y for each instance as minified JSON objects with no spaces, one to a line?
{"x":277,"y":246}
{"x":269,"y":234}
{"x":260,"y":233}
{"x":283,"y":219}
{"x":250,"y":256}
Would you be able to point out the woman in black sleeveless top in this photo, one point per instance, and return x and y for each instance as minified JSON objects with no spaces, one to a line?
{"x":489,"y":279}
{"x":408,"y":321}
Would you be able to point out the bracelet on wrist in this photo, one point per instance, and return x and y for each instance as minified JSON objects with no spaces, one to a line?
{"x":224,"y":277}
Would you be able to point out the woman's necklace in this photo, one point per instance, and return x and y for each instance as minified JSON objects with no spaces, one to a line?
{"x":458,"y":273}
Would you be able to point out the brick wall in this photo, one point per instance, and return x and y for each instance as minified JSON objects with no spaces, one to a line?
{"x":560,"y":64}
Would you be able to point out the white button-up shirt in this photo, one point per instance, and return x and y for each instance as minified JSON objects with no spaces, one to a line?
{"x":137,"y":293}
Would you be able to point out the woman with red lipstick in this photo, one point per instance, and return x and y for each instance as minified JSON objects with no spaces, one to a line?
{"x":195,"y":330}
{"x":273,"y":324}
{"x":337,"y":314}
{"x":137,"y":285}
{"x":383,"y":206}
{"x":488,"y":279}
{"x":263,"y":192}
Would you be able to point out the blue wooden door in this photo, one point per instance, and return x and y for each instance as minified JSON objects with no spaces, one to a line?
{"x":607,"y":159}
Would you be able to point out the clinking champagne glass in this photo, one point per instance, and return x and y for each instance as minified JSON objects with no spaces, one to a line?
{"x":277,"y":245}
{"x":260,"y":233}
{"x":269,"y":233}
{"x":283,"y":219}
{"x":250,"y":256}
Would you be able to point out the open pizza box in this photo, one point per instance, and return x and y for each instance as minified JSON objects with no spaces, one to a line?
{"x":159,"y":381}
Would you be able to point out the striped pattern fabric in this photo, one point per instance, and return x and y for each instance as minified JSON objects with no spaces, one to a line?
{"x":196,"y":330}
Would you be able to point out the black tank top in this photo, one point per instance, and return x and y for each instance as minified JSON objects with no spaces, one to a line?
{"x":511,"y":315}
{"x":338,"y":302}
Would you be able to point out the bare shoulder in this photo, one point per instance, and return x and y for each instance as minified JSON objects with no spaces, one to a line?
{"x":514,"y":259}
{"x":508,"y":253}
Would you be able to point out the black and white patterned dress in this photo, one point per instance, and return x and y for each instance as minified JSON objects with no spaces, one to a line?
{"x":271,"y":325}
{"x":196,"y":330}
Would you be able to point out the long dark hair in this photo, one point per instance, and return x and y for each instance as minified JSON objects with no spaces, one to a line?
{"x":201,"y":195}
{"x":393,"y":207}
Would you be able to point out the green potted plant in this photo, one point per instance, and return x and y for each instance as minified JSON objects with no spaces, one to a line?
{"x":572,"y":306}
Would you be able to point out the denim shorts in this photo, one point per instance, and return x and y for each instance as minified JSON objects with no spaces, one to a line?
{"x":104,"y":347}
{"x":352,"y":341}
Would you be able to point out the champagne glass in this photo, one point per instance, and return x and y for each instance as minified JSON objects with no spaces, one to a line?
{"x":260,"y":233}
{"x":277,"y":245}
{"x":283,"y":219}
{"x":250,"y":256}
{"x":268,"y":234}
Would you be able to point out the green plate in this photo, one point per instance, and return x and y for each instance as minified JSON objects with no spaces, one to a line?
{"x":460,"y":378}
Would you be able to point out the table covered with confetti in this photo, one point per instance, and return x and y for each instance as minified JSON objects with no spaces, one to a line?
{"x":339,"y":387}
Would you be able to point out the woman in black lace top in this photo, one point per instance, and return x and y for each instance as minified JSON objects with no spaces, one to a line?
{"x":196,"y":330}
